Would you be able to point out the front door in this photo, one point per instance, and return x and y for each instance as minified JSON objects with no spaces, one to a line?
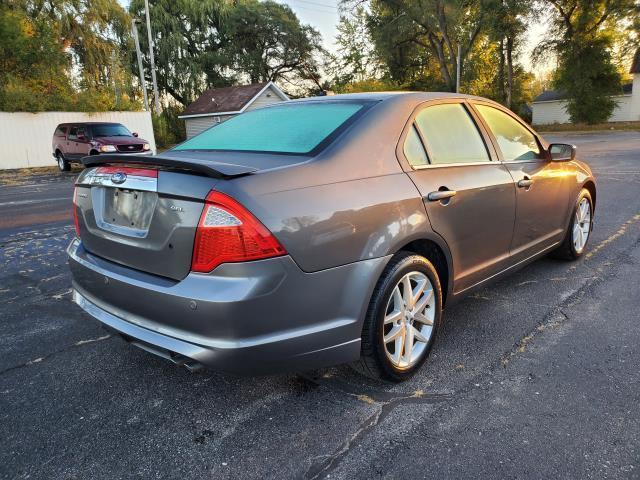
{"x":541,"y":193}
{"x":469,"y":195}
{"x":83,"y":144}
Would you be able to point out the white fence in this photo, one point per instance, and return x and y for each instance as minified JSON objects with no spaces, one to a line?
{"x":25,"y":138}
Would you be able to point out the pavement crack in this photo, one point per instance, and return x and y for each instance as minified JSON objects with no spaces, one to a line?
{"x":557,"y":315}
{"x":52,"y":354}
{"x":327,"y":463}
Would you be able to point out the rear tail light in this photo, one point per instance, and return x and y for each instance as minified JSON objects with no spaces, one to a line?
{"x":228,"y":232}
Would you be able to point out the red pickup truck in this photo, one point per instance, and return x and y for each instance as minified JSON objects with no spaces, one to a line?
{"x":72,"y":141}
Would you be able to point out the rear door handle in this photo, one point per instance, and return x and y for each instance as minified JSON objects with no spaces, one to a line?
{"x":525,"y":182}
{"x":441,"y":195}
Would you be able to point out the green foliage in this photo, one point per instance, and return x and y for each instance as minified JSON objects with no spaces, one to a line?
{"x":63,"y":55}
{"x":416,"y":47}
{"x":357,"y":59}
{"x":589,"y":77}
{"x":168,"y":129}
{"x":187,"y":40}
{"x":582,"y":38}
{"x":211,"y":43}
{"x":266,"y":41}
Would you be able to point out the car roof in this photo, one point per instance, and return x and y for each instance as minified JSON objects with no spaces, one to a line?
{"x":381,"y":96}
{"x":88,"y":123}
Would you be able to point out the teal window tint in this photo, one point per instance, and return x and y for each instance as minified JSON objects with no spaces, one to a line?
{"x":294,"y":128}
{"x":514,"y":140}
{"x":414,"y":150}
{"x":451,"y":135}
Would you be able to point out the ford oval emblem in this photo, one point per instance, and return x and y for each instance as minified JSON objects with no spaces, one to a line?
{"x":118,"y":178}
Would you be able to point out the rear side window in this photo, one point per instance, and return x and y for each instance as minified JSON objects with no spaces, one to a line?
{"x":60,"y":131}
{"x":413,"y":149}
{"x":451,"y":135}
{"x":73,"y":132}
{"x":295,"y":128}
{"x":514,"y":140}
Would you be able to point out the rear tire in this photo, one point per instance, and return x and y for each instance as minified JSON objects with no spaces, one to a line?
{"x":63,"y":164}
{"x":579,"y":230}
{"x":408,"y":321}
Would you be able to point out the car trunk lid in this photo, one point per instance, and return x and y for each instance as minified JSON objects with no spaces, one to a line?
{"x":143,"y":212}
{"x":143,"y":218}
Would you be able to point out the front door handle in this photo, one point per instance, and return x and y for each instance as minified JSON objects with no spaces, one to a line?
{"x":440,"y":195}
{"x":525,"y":183}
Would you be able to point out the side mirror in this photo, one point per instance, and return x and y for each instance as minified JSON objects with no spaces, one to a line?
{"x":562,"y":152}
{"x":135,"y":134}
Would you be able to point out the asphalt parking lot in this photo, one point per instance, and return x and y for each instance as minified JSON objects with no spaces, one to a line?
{"x":536,"y":376}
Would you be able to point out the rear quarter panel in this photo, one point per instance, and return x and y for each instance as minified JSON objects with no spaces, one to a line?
{"x":329,"y":225}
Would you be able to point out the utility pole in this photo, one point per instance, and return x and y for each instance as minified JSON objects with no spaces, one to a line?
{"x":143,"y":85}
{"x":458,"y":64}
{"x":156,"y":98}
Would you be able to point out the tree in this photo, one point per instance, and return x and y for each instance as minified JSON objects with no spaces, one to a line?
{"x":357,"y":60}
{"x":64,"y":55}
{"x":201,"y":44}
{"x":265,"y":41}
{"x":589,"y":77}
{"x":416,"y":30}
{"x":507,"y":27}
{"x":582,"y":36}
{"x":187,"y":41}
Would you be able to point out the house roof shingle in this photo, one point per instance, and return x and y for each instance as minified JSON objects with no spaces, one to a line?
{"x":551,"y":95}
{"x":226,"y":99}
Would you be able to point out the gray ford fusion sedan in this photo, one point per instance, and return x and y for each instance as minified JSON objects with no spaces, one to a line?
{"x":321,"y":231}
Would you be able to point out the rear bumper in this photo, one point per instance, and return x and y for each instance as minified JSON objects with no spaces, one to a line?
{"x":250,"y":318}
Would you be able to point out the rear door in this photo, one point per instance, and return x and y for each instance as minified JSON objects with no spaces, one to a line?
{"x":541,"y":193}
{"x":468,"y":194}
{"x":71,"y":147}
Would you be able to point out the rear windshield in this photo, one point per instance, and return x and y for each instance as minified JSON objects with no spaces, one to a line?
{"x":110,"y":131}
{"x":296,"y":128}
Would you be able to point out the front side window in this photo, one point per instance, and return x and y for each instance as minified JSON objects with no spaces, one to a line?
{"x":296,"y":128}
{"x":451,"y":135}
{"x":514,"y":140}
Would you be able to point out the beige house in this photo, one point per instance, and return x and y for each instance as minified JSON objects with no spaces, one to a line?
{"x":217,"y":105}
{"x":550,"y":106}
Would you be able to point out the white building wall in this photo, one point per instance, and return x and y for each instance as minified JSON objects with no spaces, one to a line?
{"x":635,"y":99}
{"x":545,"y":113}
{"x":196,"y":125}
{"x":26,"y":137}
{"x":268,"y":97}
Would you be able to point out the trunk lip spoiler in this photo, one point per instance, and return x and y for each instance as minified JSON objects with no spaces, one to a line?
{"x":208,"y":168}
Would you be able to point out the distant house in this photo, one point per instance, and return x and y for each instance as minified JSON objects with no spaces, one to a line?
{"x":550,"y":106}
{"x":217,"y":105}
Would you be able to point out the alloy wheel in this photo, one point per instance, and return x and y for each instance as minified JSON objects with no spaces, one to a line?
{"x":409,"y":320}
{"x":582,"y":225}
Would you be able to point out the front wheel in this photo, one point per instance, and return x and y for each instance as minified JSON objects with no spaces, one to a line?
{"x":575,"y":241}
{"x":63,"y":164}
{"x":403,"y":318}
